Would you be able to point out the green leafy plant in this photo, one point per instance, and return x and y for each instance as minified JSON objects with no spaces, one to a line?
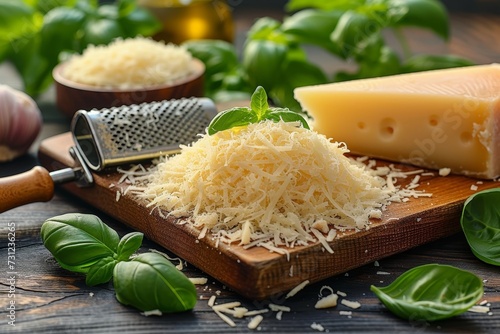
{"x":141,"y":281}
{"x":480,"y":223}
{"x":431,"y":292}
{"x":79,"y":241}
{"x":275,"y":53}
{"x":83,"y":243}
{"x":259,"y":111}
{"x":38,"y":34}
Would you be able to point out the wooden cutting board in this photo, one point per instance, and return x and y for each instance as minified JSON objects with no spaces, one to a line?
{"x":259,"y":274}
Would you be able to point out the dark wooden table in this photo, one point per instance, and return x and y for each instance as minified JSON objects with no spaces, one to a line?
{"x":38,"y":296}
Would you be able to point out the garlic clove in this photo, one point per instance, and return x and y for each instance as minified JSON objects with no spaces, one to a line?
{"x":20,"y":123}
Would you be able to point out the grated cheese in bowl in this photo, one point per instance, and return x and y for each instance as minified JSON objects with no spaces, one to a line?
{"x":268,"y":184}
{"x":130,"y":63}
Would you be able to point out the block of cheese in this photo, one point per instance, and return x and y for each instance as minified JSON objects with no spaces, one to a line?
{"x":434,"y":119}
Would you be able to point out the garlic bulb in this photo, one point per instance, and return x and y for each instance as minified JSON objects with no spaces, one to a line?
{"x":20,"y":122}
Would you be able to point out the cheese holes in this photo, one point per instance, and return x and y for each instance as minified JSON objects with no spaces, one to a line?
{"x":361,"y":125}
{"x":433,"y":120}
{"x":466,"y":138}
{"x":388,"y":127}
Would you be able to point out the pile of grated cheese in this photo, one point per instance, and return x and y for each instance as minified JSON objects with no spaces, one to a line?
{"x":268,"y":184}
{"x":130,"y":63}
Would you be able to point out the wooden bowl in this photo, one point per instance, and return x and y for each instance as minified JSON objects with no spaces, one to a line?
{"x":72,"y":96}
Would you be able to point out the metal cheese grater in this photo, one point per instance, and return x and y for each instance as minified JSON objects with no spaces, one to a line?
{"x":127,"y":134}
{"x":109,"y":137}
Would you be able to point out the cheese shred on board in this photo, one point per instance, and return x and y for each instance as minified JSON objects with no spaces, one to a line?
{"x":268,"y":184}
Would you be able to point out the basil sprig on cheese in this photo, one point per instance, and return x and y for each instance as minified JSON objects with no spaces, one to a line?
{"x":258,"y":111}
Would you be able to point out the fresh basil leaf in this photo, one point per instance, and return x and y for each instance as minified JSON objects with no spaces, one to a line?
{"x":18,"y":24}
{"x":231,"y":118}
{"x":297,"y":73}
{"x":60,"y":19}
{"x":128,"y":245}
{"x":427,"y":14}
{"x":101,"y":31}
{"x":312,"y":26}
{"x":78,"y":241}
{"x":293,"y":5}
{"x":419,"y":63}
{"x":480,"y":222}
{"x":258,"y":102}
{"x":34,"y":69}
{"x":262,"y":61}
{"x":265,"y":28}
{"x":352,"y":29}
{"x":431,"y":292}
{"x":168,"y":289}
{"x":101,"y":272}
{"x":286,"y":115}
{"x":139,"y":21}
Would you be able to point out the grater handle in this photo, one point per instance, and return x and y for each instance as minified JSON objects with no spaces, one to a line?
{"x":35,"y":185}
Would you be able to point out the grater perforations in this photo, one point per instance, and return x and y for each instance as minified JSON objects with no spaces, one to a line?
{"x":122,"y":134}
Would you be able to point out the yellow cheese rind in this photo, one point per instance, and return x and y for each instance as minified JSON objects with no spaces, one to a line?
{"x":435,"y":119}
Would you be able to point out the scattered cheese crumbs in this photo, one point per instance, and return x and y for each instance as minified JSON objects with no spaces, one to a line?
{"x":263,"y":186}
{"x":383,"y":273}
{"x":350,"y":304}
{"x":474,"y":187}
{"x":226,"y":306}
{"x":322,"y":240}
{"x":295,"y":290}
{"x":152,"y":312}
{"x":340,"y":293}
{"x":331,"y":235}
{"x":479,"y":309}
{"x":444,"y":171}
{"x":327,"y":302}
{"x":255,"y":322}
{"x":147,"y":63}
{"x":225,"y":318}
{"x":277,"y":308}
{"x":321,"y":225}
{"x":317,"y":327}
{"x":279,"y":315}
{"x":239,"y":312}
{"x":211,"y":301}
{"x":376,"y":264}
{"x":91,"y":294}
{"x":345,"y":313}
{"x":484,"y":302}
{"x":198,"y":280}
{"x":377,"y":214}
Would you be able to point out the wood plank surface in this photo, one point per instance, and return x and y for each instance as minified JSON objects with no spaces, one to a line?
{"x":259,"y":274}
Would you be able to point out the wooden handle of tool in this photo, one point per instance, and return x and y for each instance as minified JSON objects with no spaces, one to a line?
{"x":35,"y":185}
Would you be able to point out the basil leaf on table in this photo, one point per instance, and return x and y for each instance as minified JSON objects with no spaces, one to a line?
{"x":151,"y":282}
{"x":128,"y":245}
{"x":480,"y":223}
{"x":431,"y":292}
{"x":78,"y":241}
{"x":101,"y":272}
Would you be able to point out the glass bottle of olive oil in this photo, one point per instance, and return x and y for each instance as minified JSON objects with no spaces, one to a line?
{"x":191,"y":19}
